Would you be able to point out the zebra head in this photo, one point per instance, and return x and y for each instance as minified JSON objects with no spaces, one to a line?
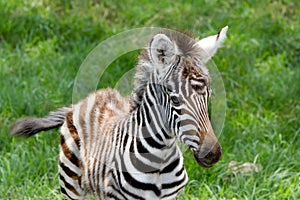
{"x":178,"y":64}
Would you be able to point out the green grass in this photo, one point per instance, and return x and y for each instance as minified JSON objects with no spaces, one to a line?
{"x":42,"y":44}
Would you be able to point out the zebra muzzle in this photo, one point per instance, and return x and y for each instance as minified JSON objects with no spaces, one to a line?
{"x":207,"y":157}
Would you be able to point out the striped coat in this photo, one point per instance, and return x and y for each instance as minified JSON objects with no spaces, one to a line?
{"x":106,"y":170}
{"x":114,"y":147}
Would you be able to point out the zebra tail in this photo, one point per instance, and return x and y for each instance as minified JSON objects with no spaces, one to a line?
{"x":29,"y":126}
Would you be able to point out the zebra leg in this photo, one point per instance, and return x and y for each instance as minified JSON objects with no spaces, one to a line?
{"x":70,"y":168}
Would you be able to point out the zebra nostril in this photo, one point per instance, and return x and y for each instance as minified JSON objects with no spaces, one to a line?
{"x":213,"y":156}
{"x":209,"y":155}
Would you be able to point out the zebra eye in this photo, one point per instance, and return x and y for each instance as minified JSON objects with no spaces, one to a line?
{"x":175,"y":100}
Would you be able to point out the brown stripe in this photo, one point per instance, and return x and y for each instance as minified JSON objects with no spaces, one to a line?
{"x":70,"y":155}
{"x":101,"y":109}
{"x":72,"y":128}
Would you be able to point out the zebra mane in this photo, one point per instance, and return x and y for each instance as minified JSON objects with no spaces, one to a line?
{"x":185,"y":46}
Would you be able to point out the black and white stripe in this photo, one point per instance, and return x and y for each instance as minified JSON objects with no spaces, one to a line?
{"x":115,"y":148}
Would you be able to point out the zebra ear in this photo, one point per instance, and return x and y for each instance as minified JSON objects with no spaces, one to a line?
{"x":162,"y":50}
{"x":211,"y":44}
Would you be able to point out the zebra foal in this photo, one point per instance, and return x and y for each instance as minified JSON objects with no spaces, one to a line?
{"x":113,"y":147}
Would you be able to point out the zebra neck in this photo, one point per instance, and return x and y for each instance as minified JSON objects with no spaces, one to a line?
{"x":147,"y":157}
{"x":151,"y":131}
{"x":152,"y":124}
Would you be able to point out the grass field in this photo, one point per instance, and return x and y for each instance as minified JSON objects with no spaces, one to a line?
{"x":43,"y":43}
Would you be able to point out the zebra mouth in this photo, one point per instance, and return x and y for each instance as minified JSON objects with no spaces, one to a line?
{"x":208,"y":155}
{"x":203,"y":162}
{"x":207,"y":160}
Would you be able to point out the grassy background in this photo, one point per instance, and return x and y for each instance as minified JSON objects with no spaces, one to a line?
{"x":42,"y":44}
